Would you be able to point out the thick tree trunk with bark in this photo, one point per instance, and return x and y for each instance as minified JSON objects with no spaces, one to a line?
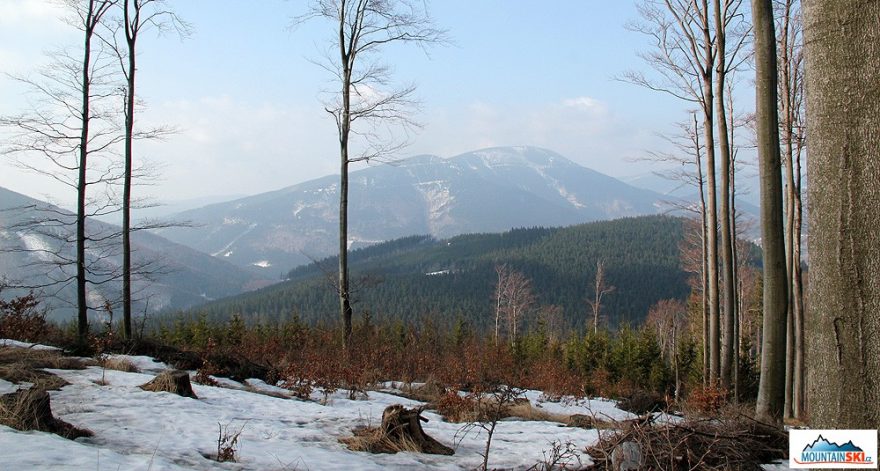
{"x":842,"y":40}
{"x":771,"y":389}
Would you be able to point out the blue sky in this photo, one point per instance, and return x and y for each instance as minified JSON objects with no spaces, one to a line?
{"x":245,"y":96}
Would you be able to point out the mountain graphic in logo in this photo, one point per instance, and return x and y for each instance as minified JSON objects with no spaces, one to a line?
{"x":822,"y":444}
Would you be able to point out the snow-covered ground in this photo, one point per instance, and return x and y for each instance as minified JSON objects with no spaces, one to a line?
{"x":140,"y":430}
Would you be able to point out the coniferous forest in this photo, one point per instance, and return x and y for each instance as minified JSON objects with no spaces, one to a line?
{"x":418,"y":277}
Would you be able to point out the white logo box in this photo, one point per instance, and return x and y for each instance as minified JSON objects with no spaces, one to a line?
{"x":832,"y":449}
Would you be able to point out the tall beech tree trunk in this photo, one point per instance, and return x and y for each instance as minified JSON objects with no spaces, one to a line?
{"x":771,"y":388}
{"x":790,"y":65}
{"x":712,"y":206}
{"x":704,"y":258}
{"x":728,"y":291}
{"x":842,"y":41}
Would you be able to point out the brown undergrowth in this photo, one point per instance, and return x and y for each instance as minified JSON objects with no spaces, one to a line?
{"x":726,"y":443}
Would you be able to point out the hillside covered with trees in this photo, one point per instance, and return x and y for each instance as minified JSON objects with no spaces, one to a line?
{"x":417,"y":277}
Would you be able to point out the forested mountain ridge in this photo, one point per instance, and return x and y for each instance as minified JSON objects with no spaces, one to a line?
{"x":489,"y":190}
{"x":179,"y":276}
{"x":420,"y":277}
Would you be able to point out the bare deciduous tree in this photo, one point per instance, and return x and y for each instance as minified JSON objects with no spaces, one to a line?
{"x":65,"y":132}
{"x":731,"y":32}
{"x":366,"y":97}
{"x":669,"y":319}
{"x":514,"y":299}
{"x":684,"y":55}
{"x":789,"y":44}
{"x":137,"y":16}
{"x":771,"y":388}
{"x":601,"y":288}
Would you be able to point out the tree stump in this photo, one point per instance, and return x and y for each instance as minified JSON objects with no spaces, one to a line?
{"x":401,"y":430}
{"x":400,"y":424}
{"x":176,"y":382}
{"x":30,"y":409}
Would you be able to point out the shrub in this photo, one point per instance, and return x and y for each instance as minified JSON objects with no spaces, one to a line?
{"x":639,"y":401}
{"x":456,"y":408}
{"x":708,"y":400}
{"x":20,"y":319}
{"x":227,"y":443}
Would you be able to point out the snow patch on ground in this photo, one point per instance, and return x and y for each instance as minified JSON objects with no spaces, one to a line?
{"x":599,"y":408}
{"x":140,"y":430}
{"x":32,"y":346}
{"x":8,"y":388}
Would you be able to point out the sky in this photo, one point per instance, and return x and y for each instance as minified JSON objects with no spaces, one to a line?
{"x":245,"y":95}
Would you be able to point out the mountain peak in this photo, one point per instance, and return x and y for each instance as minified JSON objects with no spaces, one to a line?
{"x":492,"y":189}
{"x":513,"y":156}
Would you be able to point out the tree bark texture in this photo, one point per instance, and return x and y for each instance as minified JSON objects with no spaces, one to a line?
{"x":842,"y":41}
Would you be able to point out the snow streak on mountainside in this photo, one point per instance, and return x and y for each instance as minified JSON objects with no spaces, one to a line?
{"x":482,"y":191}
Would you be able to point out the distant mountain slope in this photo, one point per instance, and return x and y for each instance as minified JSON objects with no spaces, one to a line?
{"x":185,"y":277}
{"x":446,"y":279}
{"x":488,"y":190}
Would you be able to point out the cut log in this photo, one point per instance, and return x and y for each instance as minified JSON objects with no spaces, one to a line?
{"x":176,"y":382}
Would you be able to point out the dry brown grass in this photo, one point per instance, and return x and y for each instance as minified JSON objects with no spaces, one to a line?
{"x":120,"y":364}
{"x":18,"y":365}
{"x":526,"y":411}
{"x":29,"y":409}
{"x":374,"y":440}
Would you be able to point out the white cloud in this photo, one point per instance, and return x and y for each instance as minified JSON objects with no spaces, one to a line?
{"x":22,"y":13}
{"x":584,"y":129}
{"x":585,"y":103}
{"x":229,"y":146}
{"x":27,"y":29}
